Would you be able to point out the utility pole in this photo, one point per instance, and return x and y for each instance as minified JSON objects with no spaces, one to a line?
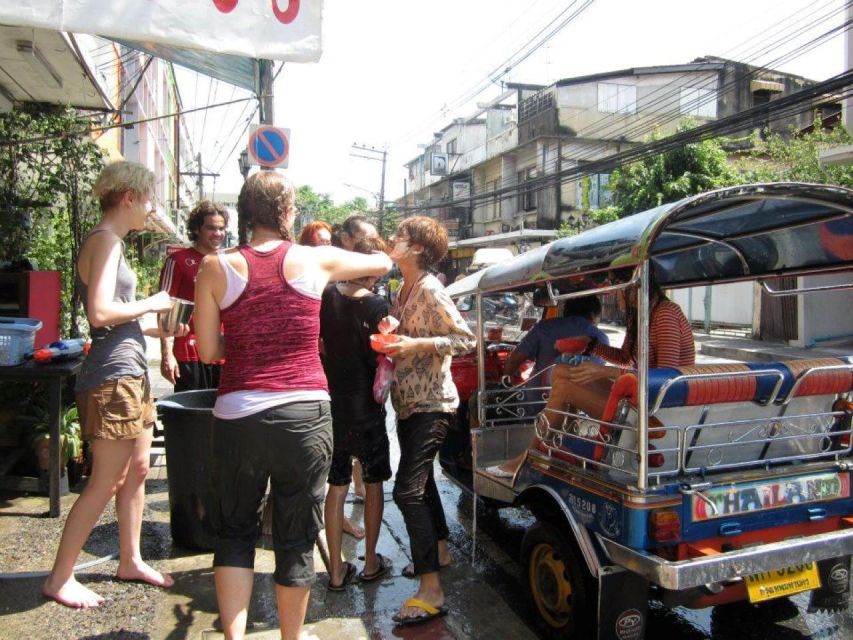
{"x":265,"y":94}
{"x":383,"y":160}
{"x":199,"y":176}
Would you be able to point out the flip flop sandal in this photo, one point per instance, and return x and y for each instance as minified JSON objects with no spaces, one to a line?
{"x":385,"y":565}
{"x":349,"y":574}
{"x":430,"y":613}
{"x":409,"y":570}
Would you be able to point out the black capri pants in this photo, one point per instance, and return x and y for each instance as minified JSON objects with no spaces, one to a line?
{"x":291,"y":446}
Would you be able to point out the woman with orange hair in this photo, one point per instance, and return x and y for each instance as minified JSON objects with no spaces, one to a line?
{"x":316,"y":234}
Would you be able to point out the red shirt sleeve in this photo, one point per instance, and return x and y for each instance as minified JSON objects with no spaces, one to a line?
{"x":670,"y":338}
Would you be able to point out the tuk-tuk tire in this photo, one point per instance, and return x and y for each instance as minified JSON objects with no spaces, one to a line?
{"x":562,"y":594}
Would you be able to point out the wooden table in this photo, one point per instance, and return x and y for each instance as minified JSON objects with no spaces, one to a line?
{"x":54,"y":374}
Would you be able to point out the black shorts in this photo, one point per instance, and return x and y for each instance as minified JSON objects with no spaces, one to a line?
{"x":196,"y":376}
{"x":367,"y":442}
{"x":291,"y":446}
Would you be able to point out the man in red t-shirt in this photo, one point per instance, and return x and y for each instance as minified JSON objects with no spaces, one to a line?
{"x":180,"y":363}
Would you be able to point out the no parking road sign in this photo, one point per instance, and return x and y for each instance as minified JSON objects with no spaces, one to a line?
{"x":269,"y":146}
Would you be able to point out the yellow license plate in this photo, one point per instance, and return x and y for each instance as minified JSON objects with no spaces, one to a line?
{"x":782,"y":582}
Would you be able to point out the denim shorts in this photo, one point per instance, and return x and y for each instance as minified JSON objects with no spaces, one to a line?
{"x":291,"y":447}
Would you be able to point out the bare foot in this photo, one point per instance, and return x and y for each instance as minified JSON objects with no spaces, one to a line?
{"x":139,"y":571}
{"x":353,"y":529}
{"x":72,"y":594}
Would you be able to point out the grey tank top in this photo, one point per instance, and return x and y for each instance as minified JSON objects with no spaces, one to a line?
{"x":117,"y":351}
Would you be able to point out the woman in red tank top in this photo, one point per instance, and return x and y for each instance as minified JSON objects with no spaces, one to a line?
{"x":272,"y":419}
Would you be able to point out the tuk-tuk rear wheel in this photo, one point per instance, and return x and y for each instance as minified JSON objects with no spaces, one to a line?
{"x":558,"y":589}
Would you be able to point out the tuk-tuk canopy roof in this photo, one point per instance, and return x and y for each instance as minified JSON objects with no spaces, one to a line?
{"x":736,"y":233}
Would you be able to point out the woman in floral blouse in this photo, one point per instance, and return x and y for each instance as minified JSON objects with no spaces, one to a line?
{"x":431,"y":331}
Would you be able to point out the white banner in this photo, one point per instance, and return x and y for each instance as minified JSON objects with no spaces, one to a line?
{"x":272,"y":29}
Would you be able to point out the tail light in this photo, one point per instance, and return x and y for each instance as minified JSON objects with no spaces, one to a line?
{"x":665,"y":526}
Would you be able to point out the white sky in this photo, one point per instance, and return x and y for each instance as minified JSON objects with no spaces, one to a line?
{"x":392,"y":71}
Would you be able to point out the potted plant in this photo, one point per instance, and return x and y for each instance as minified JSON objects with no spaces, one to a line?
{"x":69,"y":431}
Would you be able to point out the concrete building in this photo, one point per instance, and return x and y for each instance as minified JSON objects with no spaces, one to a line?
{"x":494,"y":178}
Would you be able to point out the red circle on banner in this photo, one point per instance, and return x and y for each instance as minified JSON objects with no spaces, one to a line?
{"x":288,"y":15}
{"x":225,"y":6}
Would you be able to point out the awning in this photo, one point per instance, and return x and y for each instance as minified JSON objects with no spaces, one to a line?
{"x":40,"y":65}
{"x":235,"y":70}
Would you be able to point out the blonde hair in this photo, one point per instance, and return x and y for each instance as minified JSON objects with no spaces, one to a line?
{"x":118,"y":178}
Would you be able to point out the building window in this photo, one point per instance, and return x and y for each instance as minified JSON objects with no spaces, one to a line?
{"x":451,"y":146}
{"x":617,"y":98}
{"x":699,"y":102}
{"x":598,"y":194}
{"x":527,"y":192}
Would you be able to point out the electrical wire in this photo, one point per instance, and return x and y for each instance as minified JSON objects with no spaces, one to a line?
{"x":615,"y":126}
{"x":778,"y":109}
{"x":595,"y":149}
{"x":469,"y":94}
{"x":90,"y":130}
{"x":239,"y":137}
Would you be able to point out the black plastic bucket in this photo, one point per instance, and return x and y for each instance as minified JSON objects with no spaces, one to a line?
{"x":186,"y":418}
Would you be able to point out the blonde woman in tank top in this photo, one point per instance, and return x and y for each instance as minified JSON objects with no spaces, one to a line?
{"x":113,"y":393}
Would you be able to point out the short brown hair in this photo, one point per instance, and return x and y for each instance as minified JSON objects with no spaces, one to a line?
{"x":369,"y":245}
{"x":310,"y":230}
{"x":200,"y":212}
{"x":430,"y":234}
{"x":118,"y":178}
{"x":264,"y":201}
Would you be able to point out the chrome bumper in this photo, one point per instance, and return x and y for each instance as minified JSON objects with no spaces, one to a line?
{"x":685,"y":574}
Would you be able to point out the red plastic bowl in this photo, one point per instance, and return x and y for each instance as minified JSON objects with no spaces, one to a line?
{"x":572,"y":345}
{"x":380,"y":341}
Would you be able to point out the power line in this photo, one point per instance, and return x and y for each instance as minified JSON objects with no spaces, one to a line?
{"x":469,"y":94}
{"x":91,"y":130}
{"x":777,"y":109}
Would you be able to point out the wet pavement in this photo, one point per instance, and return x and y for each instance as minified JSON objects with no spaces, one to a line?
{"x":485,"y":593}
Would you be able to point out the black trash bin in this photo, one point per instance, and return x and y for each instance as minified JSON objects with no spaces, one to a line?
{"x":186,"y":419}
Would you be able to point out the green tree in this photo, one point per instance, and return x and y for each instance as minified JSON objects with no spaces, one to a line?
{"x":796,"y":157}
{"x":47,"y":168}
{"x":312,"y":205}
{"x":669,"y":176}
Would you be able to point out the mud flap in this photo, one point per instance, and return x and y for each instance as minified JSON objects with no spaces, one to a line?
{"x":623,"y":599}
{"x":834,"y":592}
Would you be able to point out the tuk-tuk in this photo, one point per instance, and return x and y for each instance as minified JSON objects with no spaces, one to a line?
{"x":741,"y":488}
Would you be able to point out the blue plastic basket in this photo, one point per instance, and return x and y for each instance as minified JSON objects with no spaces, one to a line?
{"x":17,"y":338}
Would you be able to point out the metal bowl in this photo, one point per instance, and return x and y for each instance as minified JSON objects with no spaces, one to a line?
{"x":180,"y":313}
